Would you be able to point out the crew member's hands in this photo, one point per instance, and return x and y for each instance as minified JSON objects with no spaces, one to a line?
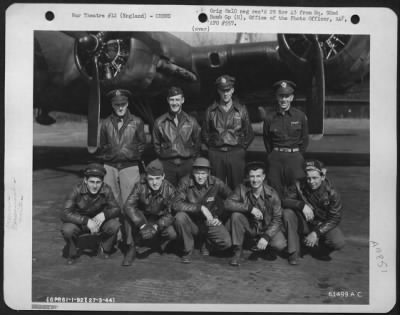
{"x":92,"y":226}
{"x":257,"y":213}
{"x":214,"y":222}
{"x":207,"y":214}
{"x":311,"y":239}
{"x":147,"y":231}
{"x":262,"y":243}
{"x":308,"y":213}
{"x":99,"y":219}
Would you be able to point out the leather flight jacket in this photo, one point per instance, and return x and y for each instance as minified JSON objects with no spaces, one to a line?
{"x":190,"y":196}
{"x":124,"y":147}
{"x":172,"y":141}
{"x":325,"y":202}
{"x":144,"y":205}
{"x":81,"y":205}
{"x":227,"y":129}
{"x":243,"y":201}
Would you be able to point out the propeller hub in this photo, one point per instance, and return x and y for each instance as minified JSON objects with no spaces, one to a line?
{"x":109,"y":53}
{"x":89,"y":42}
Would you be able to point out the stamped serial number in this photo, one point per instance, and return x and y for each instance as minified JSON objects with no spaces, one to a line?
{"x":59,"y":299}
{"x":345,"y":294}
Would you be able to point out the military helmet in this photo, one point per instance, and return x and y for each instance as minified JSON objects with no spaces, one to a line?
{"x":201,"y":162}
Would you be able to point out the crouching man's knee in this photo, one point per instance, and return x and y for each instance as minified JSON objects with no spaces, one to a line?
{"x":181,"y":218}
{"x":226,"y":242}
{"x":70,"y":230}
{"x":337,"y":244}
{"x":111,"y":226}
{"x":278,"y":242}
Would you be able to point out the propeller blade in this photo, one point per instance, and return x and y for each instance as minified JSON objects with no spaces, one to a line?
{"x":316,"y":94}
{"x":94,"y":109}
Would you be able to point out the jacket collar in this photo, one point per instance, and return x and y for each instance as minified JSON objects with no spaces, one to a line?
{"x":266,"y":192}
{"x":181,"y":116}
{"x":127,"y":117}
{"x":289,"y":111}
{"x":235,"y":104}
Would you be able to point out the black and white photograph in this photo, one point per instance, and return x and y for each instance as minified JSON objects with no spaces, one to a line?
{"x":216,"y":164}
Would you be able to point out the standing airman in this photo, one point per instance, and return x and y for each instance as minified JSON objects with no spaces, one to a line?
{"x":227,"y":132}
{"x":176,"y":138}
{"x":285,"y":135}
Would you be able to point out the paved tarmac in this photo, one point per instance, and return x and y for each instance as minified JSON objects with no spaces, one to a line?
{"x":163,"y":279}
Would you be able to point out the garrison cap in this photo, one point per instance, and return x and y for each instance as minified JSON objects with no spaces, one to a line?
{"x":284,"y":87}
{"x":95,"y":170}
{"x":118,"y":95}
{"x":201,"y":162}
{"x":225,"y":82}
{"x":174,"y":90}
{"x":314,"y":165}
{"x":255,"y":165}
{"x":155,"y":168}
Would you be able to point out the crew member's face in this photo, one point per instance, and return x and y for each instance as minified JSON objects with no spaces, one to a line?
{"x":256,"y":178}
{"x":120,"y":107}
{"x":225,"y":95}
{"x":284,"y":100}
{"x":200,"y":175}
{"x":175,"y":103}
{"x":93,"y":184}
{"x":155,"y":182}
{"x":314,"y":179}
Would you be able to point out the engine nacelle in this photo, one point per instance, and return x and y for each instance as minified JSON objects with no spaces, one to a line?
{"x":346,"y":57}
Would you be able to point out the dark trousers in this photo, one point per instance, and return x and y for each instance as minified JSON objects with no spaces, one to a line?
{"x":296,"y":227}
{"x":283,"y":169}
{"x":175,"y":169}
{"x":228,"y":166}
{"x":240,"y":227}
{"x":107,"y":234}
{"x":187,"y":228}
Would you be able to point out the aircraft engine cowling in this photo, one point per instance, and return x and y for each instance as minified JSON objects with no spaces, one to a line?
{"x":345,"y":57}
{"x":111,"y":51}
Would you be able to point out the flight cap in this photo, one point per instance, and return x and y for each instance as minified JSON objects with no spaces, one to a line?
{"x":118,"y":95}
{"x":225,"y":82}
{"x":174,"y":90}
{"x":284,"y":87}
{"x":95,"y":170}
{"x":314,"y":165}
{"x":155,"y":168}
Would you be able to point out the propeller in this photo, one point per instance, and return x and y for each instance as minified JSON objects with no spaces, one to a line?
{"x":91,"y":44}
{"x":316,"y":92}
{"x":94,"y":109}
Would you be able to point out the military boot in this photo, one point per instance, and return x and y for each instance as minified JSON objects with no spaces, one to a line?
{"x":237,"y":253}
{"x":204,"y":250}
{"x":130,"y":256}
{"x":293,"y":258}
